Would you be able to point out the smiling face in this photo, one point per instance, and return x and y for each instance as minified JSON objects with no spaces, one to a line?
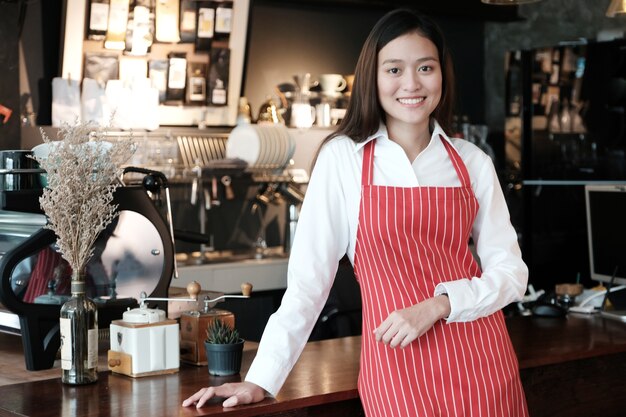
{"x":409,"y":81}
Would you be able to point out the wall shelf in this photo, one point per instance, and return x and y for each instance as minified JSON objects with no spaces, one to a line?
{"x":75,"y":45}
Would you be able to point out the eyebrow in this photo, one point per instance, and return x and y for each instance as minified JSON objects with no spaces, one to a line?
{"x":395,"y":60}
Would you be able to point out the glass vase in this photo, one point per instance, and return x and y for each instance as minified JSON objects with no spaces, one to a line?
{"x":79,"y":336}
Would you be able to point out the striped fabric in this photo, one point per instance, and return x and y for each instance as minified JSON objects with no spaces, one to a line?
{"x":408,"y":241}
{"x":43,"y":272}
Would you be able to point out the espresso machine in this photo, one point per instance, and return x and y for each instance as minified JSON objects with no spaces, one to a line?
{"x":226,"y":209}
{"x":134,"y":254}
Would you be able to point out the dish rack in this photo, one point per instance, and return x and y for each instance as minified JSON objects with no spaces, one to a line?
{"x":201,"y":149}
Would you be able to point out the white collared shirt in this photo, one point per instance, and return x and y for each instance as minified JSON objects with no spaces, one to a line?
{"x":327,"y":230}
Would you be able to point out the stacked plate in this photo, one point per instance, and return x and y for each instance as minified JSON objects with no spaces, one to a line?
{"x":261,"y":146}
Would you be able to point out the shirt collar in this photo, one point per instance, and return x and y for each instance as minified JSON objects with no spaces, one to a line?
{"x":382,"y":132}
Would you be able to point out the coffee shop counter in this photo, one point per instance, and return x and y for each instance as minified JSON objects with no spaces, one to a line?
{"x":569,"y":367}
{"x":264,"y":274}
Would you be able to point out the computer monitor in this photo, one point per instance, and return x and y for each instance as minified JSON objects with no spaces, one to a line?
{"x":606,"y":232}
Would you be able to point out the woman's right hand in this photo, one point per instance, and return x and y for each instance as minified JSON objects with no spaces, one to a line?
{"x":236,"y":394}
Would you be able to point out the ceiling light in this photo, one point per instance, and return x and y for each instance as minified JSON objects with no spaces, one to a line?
{"x":510,"y":2}
{"x":616,"y":7}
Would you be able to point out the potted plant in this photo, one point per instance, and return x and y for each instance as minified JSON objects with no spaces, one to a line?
{"x":224,"y":348}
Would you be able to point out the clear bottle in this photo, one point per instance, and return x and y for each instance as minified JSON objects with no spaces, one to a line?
{"x":79,"y":336}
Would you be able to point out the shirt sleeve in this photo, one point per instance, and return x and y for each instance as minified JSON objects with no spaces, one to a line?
{"x":322,"y":237}
{"x":504,"y":274}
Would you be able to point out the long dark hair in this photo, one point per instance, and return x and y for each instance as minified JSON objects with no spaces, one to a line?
{"x":364,"y":112}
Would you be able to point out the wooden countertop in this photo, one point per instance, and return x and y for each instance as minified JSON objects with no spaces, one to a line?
{"x":540,"y":341}
{"x":325,"y":375}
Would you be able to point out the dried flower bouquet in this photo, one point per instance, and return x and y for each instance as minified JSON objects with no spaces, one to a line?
{"x":83,"y":170}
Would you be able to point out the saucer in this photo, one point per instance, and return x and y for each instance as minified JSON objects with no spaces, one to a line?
{"x":332,"y":94}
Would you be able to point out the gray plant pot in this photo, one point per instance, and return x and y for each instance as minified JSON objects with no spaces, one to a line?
{"x":225,"y":359}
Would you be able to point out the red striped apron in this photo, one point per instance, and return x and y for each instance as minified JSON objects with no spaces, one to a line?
{"x":408,"y":241}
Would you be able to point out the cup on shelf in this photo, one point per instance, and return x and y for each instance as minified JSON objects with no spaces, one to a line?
{"x":331,"y":84}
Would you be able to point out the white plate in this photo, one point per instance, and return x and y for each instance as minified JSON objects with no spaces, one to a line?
{"x":264,"y":150}
{"x":287,"y":149}
{"x":271,"y":145}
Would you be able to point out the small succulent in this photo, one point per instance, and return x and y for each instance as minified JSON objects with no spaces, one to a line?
{"x":220,"y":333}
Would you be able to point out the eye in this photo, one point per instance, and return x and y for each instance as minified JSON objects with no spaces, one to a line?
{"x":425,"y":68}
{"x":393,"y":70}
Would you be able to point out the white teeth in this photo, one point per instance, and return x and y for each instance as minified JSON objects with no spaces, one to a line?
{"x":411,"y":100}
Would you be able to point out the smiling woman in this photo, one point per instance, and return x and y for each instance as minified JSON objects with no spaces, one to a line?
{"x":409,"y":89}
{"x":401,"y":199}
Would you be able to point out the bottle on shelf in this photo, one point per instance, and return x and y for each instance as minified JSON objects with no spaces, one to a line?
{"x":79,"y":337}
{"x":218,"y":95}
{"x":197,"y":83}
{"x":218,"y":77}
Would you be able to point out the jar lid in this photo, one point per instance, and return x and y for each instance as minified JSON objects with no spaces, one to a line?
{"x":143,"y":315}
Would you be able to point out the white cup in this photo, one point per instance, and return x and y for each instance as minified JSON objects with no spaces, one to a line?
{"x":302,"y":115}
{"x":332,"y":83}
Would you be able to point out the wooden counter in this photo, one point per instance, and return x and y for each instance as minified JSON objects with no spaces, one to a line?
{"x":570,"y":367}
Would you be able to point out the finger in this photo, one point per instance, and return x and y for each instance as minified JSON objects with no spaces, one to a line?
{"x":396,"y":340}
{"x":195,"y":397}
{"x":391,"y":332}
{"x":208,"y":394}
{"x":381,"y":330}
{"x":405,"y":342}
{"x":410,"y":337}
{"x":231,"y":402}
{"x":237,"y":399}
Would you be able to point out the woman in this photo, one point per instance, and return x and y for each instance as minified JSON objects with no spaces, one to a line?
{"x":391,"y":190}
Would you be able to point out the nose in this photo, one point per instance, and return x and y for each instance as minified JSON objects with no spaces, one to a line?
{"x":412,"y":81}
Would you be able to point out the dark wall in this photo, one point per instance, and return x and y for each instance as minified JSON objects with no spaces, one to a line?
{"x":36,"y":26}
{"x":9,"y":74}
{"x":289,"y":39}
{"x":51,"y":27}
